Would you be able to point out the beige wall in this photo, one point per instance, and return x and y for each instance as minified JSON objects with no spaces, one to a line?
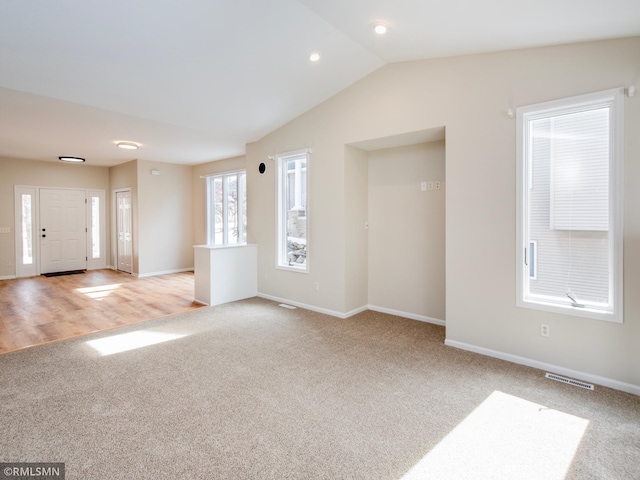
{"x":164,"y":218}
{"x":406,"y":230}
{"x":199,"y":186}
{"x":39,"y":174}
{"x":469,"y":96}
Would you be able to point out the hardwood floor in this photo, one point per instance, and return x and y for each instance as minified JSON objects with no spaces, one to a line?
{"x":39,"y":310}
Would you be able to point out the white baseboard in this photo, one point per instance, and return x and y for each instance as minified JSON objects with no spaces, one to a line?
{"x":351,"y":313}
{"x":302,"y":305}
{"x":412,"y":316}
{"x":586,"y":377}
{"x":8,"y":277}
{"x":364,"y":308}
{"x":164,"y":272}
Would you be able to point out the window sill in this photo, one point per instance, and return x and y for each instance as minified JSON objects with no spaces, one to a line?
{"x":303,"y":269}
{"x":219,"y":247}
{"x":572,"y":311}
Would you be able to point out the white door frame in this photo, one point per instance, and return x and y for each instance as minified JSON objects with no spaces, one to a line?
{"x":33,"y":269}
{"x":64,"y":214}
{"x":114,"y":229}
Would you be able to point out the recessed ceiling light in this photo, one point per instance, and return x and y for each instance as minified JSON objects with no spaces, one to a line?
{"x":128,"y":145}
{"x":72,"y":159}
{"x":380,"y":28}
{"x":314,"y":57}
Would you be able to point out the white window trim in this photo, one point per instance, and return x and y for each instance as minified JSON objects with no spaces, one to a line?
{"x":33,"y":269}
{"x":210,"y":235}
{"x":281,"y":233}
{"x":615,"y":98}
{"x":101,"y":260}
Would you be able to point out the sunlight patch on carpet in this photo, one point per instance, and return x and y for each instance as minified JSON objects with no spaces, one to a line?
{"x":131,"y":341}
{"x":506,"y":437}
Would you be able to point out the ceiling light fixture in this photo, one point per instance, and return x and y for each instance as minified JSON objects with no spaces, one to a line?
{"x":380,"y":28}
{"x":72,"y":159}
{"x":128,"y":145}
{"x":314,"y":57}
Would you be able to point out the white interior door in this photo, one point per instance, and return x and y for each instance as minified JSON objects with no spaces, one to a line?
{"x":124,"y":251}
{"x":63,"y":232}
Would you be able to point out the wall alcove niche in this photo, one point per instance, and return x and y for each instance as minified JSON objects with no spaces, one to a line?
{"x":402,"y":248}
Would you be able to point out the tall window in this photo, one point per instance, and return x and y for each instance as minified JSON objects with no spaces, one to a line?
{"x":227,"y":208}
{"x":570,"y":206}
{"x":292,"y":210}
{"x":95,"y":227}
{"x":27,"y":228}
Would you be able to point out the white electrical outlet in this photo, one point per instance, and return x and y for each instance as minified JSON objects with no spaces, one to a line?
{"x":437,"y":185}
{"x":430,"y":185}
{"x":316,"y":286}
{"x":544,"y":330}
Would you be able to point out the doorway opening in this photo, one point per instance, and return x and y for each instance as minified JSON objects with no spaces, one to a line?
{"x":400,"y":181}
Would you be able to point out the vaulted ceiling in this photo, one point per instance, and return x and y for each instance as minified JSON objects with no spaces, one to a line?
{"x":194,"y":81}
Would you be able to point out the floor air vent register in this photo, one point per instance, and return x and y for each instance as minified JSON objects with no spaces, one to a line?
{"x":569,"y":381}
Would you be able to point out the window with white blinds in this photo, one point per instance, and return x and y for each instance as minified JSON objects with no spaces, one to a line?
{"x":579,"y":156}
{"x":570,"y":206}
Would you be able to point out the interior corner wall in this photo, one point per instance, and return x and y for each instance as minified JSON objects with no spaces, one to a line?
{"x":470,"y":96}
{"x":39,"y":174}
{"x":356,"y":174}
{"x":407,"y":230}
{"x":124,"y":176}
{"x":261,"y":217}
{"x":199,"y":188}
{"x":165,"y":225}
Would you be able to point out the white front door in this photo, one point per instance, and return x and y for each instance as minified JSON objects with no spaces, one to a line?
{"x":63,"y":232}
{"x":124,"y":251}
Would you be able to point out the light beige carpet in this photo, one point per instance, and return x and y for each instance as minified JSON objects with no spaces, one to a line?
{"x":252,"y":390}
